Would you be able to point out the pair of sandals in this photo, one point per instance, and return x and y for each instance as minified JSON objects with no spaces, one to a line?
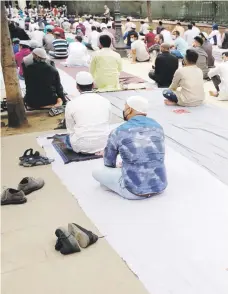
{"x":29,"y":159}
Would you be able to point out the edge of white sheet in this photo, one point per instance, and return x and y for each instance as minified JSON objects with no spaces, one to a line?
{"x":175,"y":242}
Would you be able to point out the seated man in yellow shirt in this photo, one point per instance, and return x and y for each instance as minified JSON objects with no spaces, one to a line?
{"x":106,"y":66}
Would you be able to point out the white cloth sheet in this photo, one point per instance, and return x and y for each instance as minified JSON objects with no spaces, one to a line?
{"x":175,"y":242}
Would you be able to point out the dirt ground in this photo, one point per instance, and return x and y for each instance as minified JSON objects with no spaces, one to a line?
{"x":38,"y":122}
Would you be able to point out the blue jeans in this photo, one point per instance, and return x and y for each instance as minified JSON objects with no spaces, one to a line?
{"x":66,"y":141}
{"x":176,"y":53}
{"x":112,"y":179}
{"x":170,"y":95}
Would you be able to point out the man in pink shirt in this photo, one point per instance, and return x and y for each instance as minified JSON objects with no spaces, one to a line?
{"x":24,"y":50}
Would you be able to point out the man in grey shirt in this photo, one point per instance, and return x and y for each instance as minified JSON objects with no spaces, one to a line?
{"x":202,"y":61}
{"x":47,"y":41}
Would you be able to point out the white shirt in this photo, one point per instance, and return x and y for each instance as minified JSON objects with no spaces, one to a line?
{"x":222,"y":71}
{"x":144,"y":28}
{"x":38,"y":36}
{"x":128,"y":26}
{"x":87,"y":27}
{"x":167,"y":36}
{"x":87,"y":120}
{"x":141,"y":51}
{"x":94,"y":39}
{"x":196,"y":31}
{"x":218,"y":36}
{"x":189,"y":36}
{"x":77,"y":54}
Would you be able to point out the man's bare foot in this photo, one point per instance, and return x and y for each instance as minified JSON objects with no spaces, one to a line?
{"x":214,"y":94}
{"x":169,"y":103}
{"x":100,"y":153}
{"x":59,"y":102}
{"x":47,"y":106}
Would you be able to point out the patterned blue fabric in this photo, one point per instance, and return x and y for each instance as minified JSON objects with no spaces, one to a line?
{"x":140,"y":143}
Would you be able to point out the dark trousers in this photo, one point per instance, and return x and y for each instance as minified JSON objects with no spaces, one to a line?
{"x":155,"y":78}
{"x":216,"y":81}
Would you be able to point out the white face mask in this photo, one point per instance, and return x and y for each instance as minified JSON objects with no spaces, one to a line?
{"x":132,"y":40}
{"x":174,"y":37}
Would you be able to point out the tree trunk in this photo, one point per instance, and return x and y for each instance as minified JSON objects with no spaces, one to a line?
{"x":15,"y":105}
{"x":149,"y":12}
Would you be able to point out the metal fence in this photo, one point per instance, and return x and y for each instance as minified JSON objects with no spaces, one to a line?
{"x":205,"y":11}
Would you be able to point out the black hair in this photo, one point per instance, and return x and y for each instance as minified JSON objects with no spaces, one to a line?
{"x":49,"y":30}
{"x":190,"y":26}
{"x":142,"y":21}
{"x":225,"y":53}
{"x":93,"y":28}
{"x":199,"y":40}
{"x":128,"y":19}
{"x":24,"y":46}
{"x":177,"y":33}
{"x":85,"y":88}
{"x":16,"y":42}
{"x":202,"y":35}
{"x":105,"y":41}
{"x":178,"y":23}
{"x":191,"y":56}
{"x":79,"y":38}
{"x":193,"y":23}
{"x":160,"y":23}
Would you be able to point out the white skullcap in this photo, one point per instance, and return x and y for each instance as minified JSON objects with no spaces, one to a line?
{"x":103,"y":26}
{"x":138,"y":103}
{"x":24,"y":43}
{"x":133,"y":26}
{"x":34,"y":44}
{"x":129,"y":17}
{"x":205,"y":35}
{"x":40,"y":53}
{"x":84,"y":78}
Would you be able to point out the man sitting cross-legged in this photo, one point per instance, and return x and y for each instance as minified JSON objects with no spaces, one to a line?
{"x":43,"y":86}
{"x":189,"y":79}
{"x":165,"y":66}
{"x":87,"y":118}
{"x":106,"y":66}
{"x":140,"y":143}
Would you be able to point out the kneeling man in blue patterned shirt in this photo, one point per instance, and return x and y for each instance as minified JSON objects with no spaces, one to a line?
{"x":140,"y":143}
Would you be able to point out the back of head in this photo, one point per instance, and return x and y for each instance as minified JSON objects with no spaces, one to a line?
{"x":178,"y":23}
{"x":165,"y":47}
{"x":225,"y":55}
{"x":79,"y":39}
{"x":190,"y":26}
{"x":133,"y":27}
{"x":138,"y":103}
{"x":49,"y":30}
{"x":176,"y":33}
{"x":160,"y":23}
{"x":93,"y":28}
{"x":105,"y":41}
{"x":39,"y":54}
{"x":24,"y":44}
{"x":84,"y":81}
{"x":198,"y":41}
{"x":193,"y":23}
{"x":191,"y":56}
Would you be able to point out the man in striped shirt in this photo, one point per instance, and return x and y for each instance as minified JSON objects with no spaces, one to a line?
{"x":60,"y":47}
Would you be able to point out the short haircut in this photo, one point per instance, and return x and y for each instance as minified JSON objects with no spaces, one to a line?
{"x":105,"y":41}
{"x":190,"y":26}
{"x":142,"y":21}
{"x":160,"y":23}
{"x":225,"y":53}
{"x":16,"y":41}
{"x":193,"y":23}
{"x":166,"y":46}
{"x":178,"y":23}
{"x":79,"y":38}
{"x":199,"y":40}
{"x":93,"y":28}
{"x":85,"y":88}
{"x":128,"y":19}
{"x":191,"y":56}
{"x":49,"y":30}
{"x":177,"y":33}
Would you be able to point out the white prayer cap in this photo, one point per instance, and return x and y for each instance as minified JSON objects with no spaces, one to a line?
{"x":34,"y":44}
{"x":133,"y":26}
{"x":129,"y":17}
{"x":84,"y":78}
{"x":138,"y":103}
{"x":103,"y":26}
{"x":24,"y":43}
{"x":40,"y":52}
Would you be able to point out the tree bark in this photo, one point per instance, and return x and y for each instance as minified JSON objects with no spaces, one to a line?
{"x":15,"y":104}
{"x":149,"y":12}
